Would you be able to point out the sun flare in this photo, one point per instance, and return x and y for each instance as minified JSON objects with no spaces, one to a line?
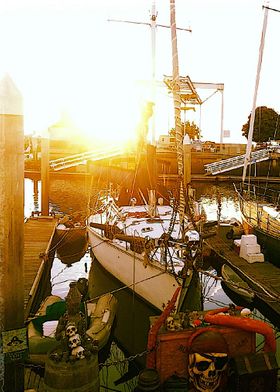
{"x":109,"y":117}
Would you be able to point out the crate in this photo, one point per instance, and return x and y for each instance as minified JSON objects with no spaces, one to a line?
{"x":255,"y":372}
{"x":172,"y":348}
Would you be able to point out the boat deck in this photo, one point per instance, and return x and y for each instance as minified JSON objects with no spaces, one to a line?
{"x":38,"y":233}
{"x":263,"y":278}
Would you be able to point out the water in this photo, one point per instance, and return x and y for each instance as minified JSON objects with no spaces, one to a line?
{"x":70,"y":196}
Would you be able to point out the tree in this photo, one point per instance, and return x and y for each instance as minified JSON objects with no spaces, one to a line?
{"x":266,"y":125}
{"x":189,"y":128}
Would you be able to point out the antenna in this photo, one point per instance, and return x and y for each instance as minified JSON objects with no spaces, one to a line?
{"x":153,"y":25}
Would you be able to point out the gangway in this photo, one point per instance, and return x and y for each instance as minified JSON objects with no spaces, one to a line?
{"x":238,"y":161}
{"x":79,"y":159}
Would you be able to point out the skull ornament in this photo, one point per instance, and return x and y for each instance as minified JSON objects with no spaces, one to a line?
{"x":74,"y":341}
{"x":205,"y":370}
{"x":78,"y":352}
{"x":173,"y":324}
{"x":71,"y":329}
{"x":170,"y":324}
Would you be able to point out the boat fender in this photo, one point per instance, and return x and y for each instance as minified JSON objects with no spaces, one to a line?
{"x":106,"y":316}
{"x":244,"y":323}
{"x":152,"y":337}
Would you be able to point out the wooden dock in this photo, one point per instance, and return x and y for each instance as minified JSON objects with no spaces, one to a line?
{"x":263,"y":278}
{"x":38,"y":256}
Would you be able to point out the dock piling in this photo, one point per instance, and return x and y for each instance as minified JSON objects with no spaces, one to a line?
{"x":12,"y":228}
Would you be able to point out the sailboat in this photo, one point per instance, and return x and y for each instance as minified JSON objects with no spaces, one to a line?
{"x":150,"y":247}
{"x":260,"y":206}
{"x":145,"y":247}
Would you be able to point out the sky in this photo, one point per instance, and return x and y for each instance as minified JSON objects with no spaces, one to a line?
{"x":65,"y":56}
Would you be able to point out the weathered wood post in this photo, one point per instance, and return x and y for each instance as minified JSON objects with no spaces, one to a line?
{"x":11,"y":230}
{"x":45,"y":174}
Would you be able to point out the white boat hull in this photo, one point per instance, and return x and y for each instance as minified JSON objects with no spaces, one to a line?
{"x":149,"y":281}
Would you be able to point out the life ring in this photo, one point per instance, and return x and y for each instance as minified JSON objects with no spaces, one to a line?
{"x":244,"y":323}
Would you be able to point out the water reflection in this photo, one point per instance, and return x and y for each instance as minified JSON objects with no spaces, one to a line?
{"x":32,"y":202}
{"x":62,"y":275}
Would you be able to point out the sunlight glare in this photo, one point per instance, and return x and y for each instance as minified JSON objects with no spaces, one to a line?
{"x":110,"y":116}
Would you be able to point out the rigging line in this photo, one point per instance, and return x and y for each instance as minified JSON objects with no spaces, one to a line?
{"x":54,"y":277}
{"x":72,"y":254}
{"x":63,"y":281}
{"x":268,"y":175}
{"x":269,"y":8}
{"x":266,"y":295}
{"x":205,"y":283}
{"x":135,"y":174}
{"x":216,"y":302}
{"x":55,"y":246}
{"x":126,"y":286}
{"x":172,"y":266}
{"x":276,"y":128}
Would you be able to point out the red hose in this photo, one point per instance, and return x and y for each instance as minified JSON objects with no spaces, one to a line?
{"x":243,"y":323}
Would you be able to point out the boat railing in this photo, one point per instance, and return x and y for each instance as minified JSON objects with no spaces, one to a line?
{"x":260,"y":193}
{"x":254,"y":213}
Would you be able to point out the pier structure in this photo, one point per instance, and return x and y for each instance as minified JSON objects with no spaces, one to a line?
{"x":223,"y":163}
{"x":263,"y":278}
{"x":38,"y":258}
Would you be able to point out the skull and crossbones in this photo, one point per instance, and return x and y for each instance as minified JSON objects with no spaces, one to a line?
{"x":205,"y":370}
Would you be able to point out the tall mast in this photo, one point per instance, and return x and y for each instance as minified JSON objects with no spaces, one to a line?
{"x":153,"y":38}
{"x":177,"y":108}
{"x":252,"y":118}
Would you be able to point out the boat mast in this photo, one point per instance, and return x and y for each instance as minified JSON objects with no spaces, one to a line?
{"x":177,"y":109}
{"x":252,"y":118}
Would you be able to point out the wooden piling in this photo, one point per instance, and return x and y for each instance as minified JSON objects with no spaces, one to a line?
{"x":11,"y":222}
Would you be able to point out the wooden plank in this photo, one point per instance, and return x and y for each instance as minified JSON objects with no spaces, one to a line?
{"x":263,"y":278}
{"x":38,"y":234}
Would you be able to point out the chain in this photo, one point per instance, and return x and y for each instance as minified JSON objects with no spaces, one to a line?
{"x":103,"y":364}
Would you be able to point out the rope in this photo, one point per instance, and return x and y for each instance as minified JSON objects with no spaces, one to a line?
{"x":127,"y":286}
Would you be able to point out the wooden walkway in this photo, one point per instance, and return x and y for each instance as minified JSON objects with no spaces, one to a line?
{"x":263,"y":278}
{"x":38,"y":233}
